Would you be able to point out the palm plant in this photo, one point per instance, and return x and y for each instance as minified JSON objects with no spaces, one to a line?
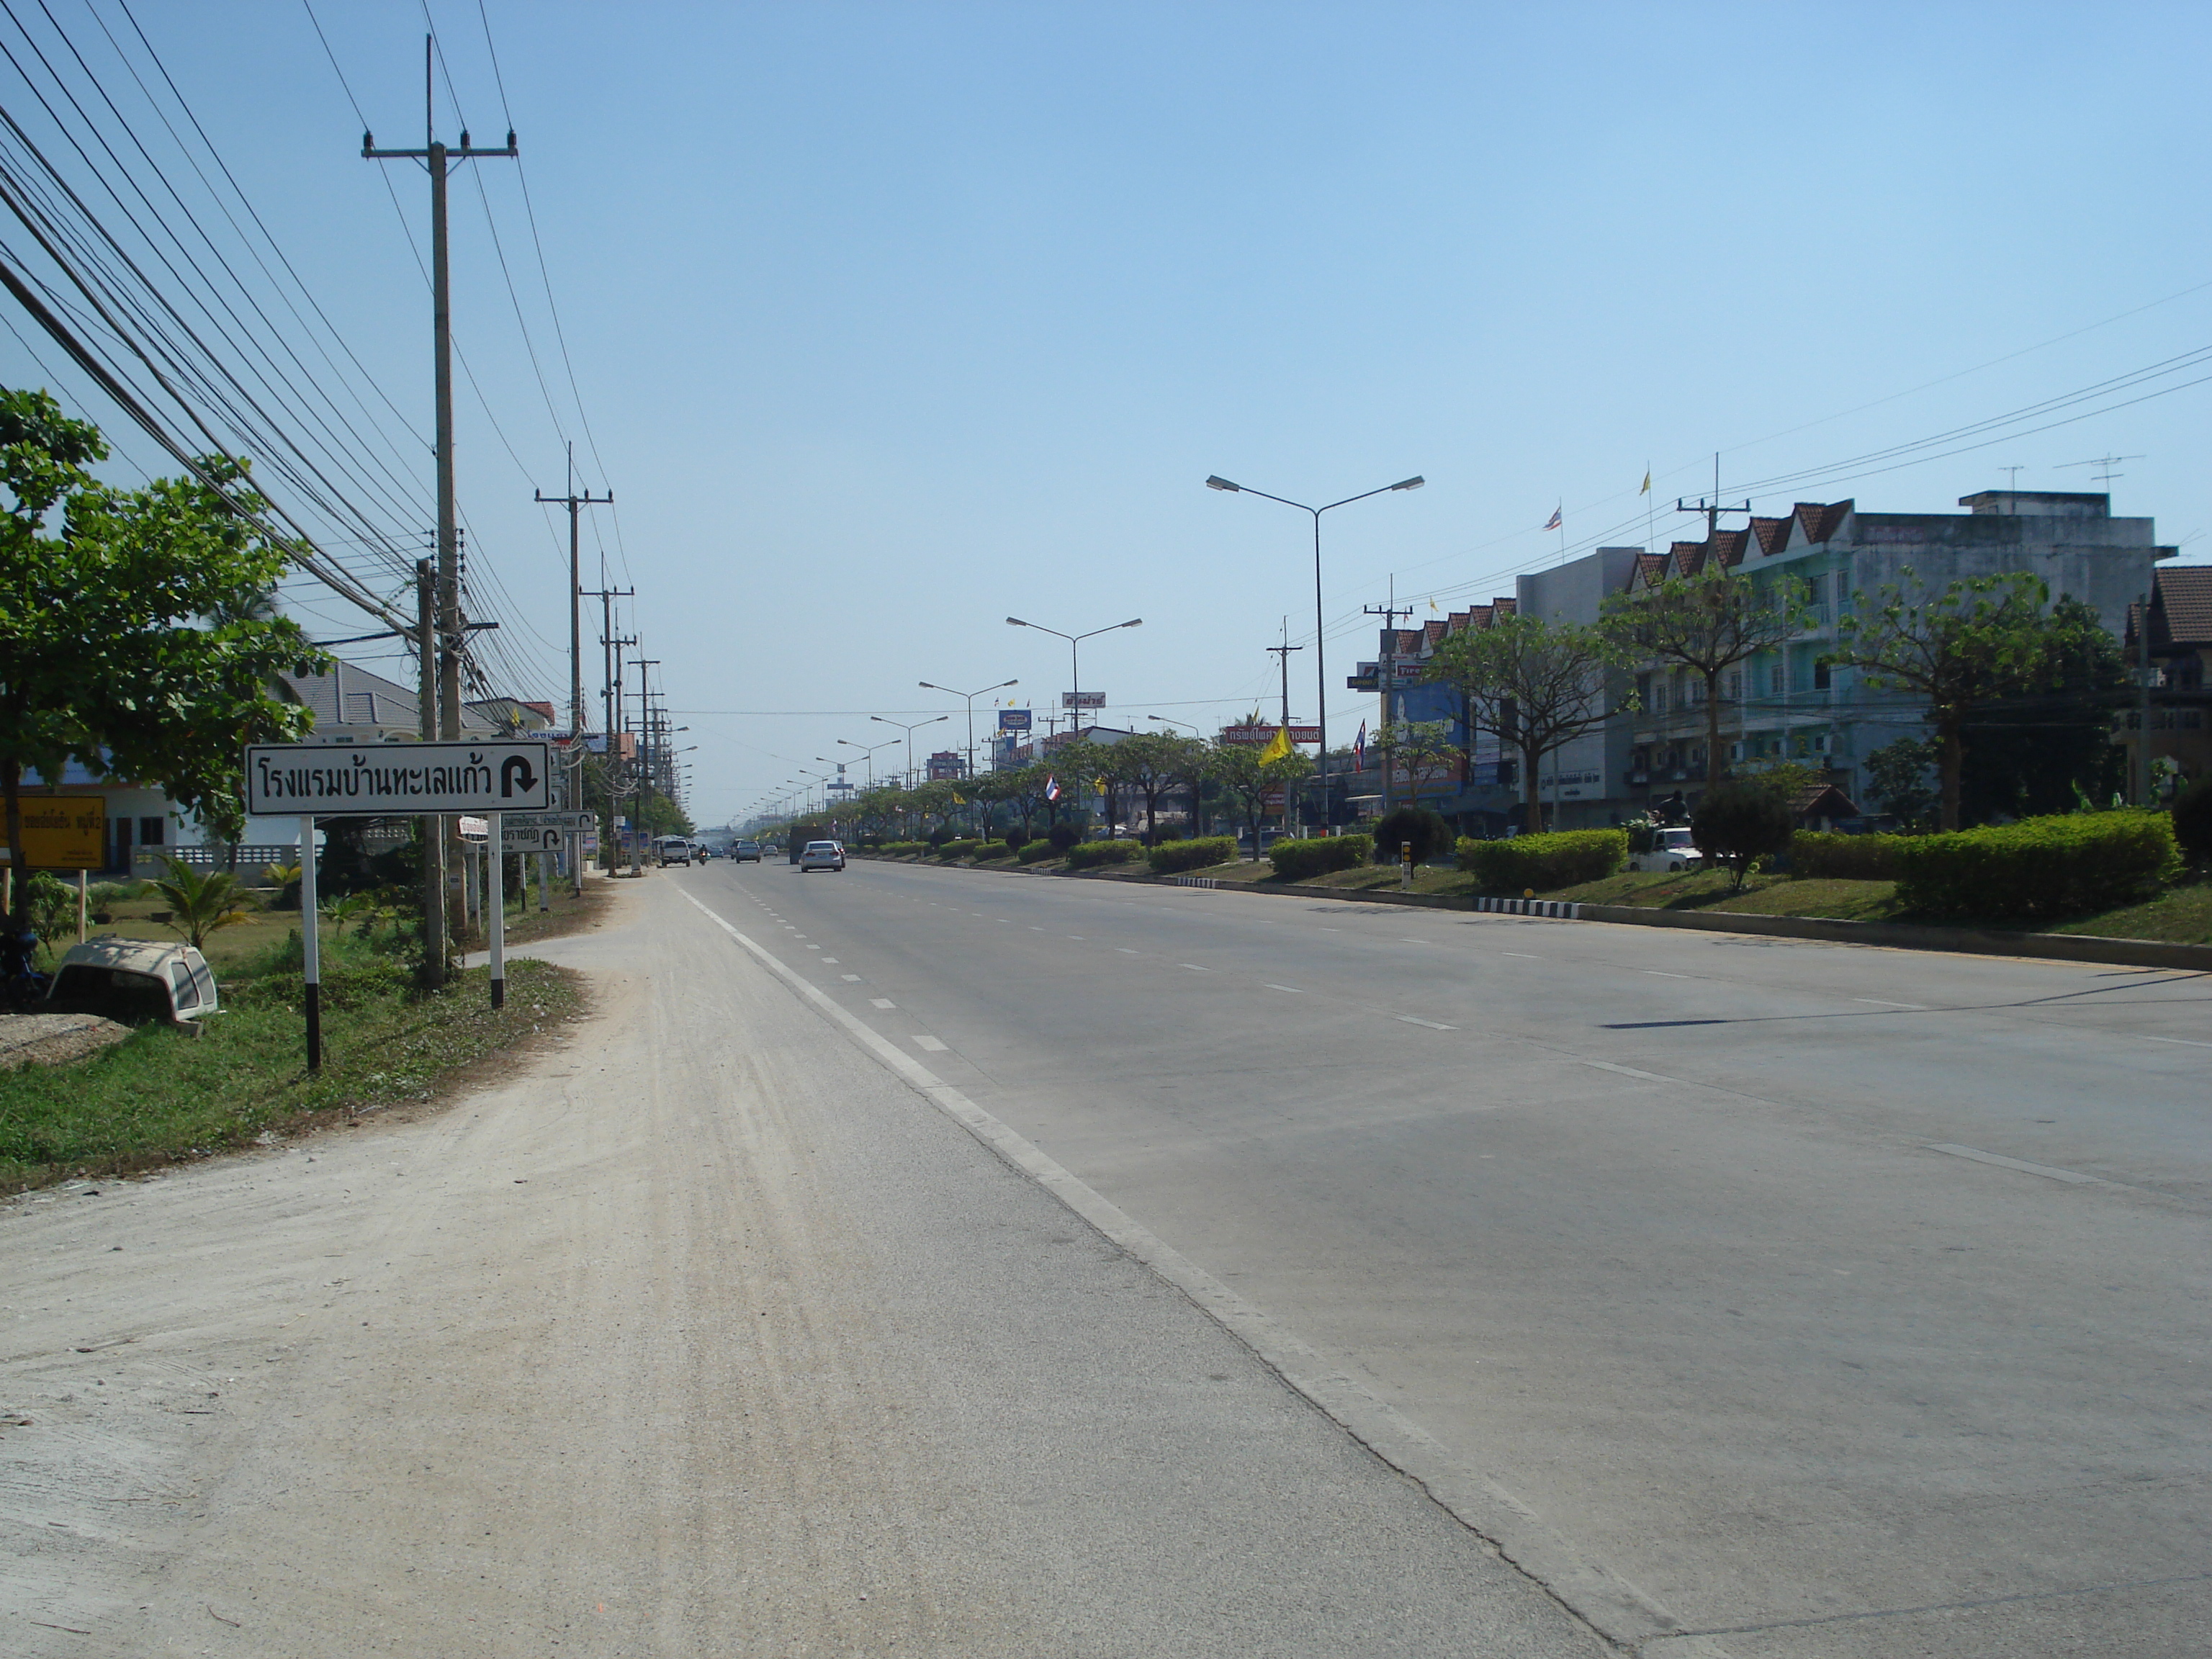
{"x":200,"y":904}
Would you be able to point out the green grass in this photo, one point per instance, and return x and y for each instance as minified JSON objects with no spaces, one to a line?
{"x":161,"y":1094}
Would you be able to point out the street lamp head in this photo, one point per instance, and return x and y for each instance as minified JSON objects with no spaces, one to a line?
{"x":1002,"y":685}
{"x":1134,"y":621}
{"x":1016,"y":622}
{"x":879,"y":717}
{"x":1413,"y":483}
{"x":1223,"y":484}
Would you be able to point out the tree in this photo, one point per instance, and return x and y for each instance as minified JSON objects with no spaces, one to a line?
{"x":1535,"y":684}
{"x":1709,"y":624}
{"x":1427,"y":830}
{"x":1740,"y":821}
{"x":1419,"y":746}
{"x":1982,"y":639}
{"x":1900,"y":776}
{"x":2049,"y":749}
{"x":1153,"y":763}
{"x":133,"y":634}
{"x":1250,"y":780}
{"x":200,"y":904}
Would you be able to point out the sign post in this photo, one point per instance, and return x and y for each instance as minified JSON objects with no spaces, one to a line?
{"x":310,"y":945}
{"x":495,"y":849}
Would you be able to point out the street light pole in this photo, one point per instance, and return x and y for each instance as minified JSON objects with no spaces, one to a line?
{"x":1320,"y":670}
{"x":909,"y":731}
{"x":870,"y":751}
{"x":1074,"y":667}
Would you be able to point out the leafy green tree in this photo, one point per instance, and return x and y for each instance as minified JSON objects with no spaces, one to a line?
{"x":1419,"y":746}
{"x":2048,"y":748}
{"x":1151,"y":764}
{"x":1709,"y":624}
{"x":1982,"y":639}
{"x":134,"y":637}
{"x":1901,"y":778}
{"x":1741,"y":821}
{"x":1535,"y":684}
{"x":1249,"y":780}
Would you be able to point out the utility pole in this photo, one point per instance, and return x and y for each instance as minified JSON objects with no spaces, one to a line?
{"x":434,"y":844}
{"x":1388,"y":674}
{"x":438,"y":158}
{"x":1282,"y":656}
{"x":574,"y":503}
{"x":1713,"y":508}
{"x":644,"y":761}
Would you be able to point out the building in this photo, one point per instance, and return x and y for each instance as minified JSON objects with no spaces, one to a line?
{"x":2181,"y":662}
{"x":1790,"y":704}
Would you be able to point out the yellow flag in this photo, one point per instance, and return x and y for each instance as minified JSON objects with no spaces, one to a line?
{"x":958,"y":801}
{"x":1646,"y":490}
{"x":1278,"y":746}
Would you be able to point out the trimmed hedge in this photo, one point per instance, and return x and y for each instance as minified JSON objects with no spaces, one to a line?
{"x":1172,"y":856}
{"x":1817,"y":857}
{"x":1562,"y":857}
{"x":951,"y":850}
{"x":1421,"y":825}
{"x":1085,"y":855}
{"x":2039,"y":867}
{"x":1037,"y":852}
{"x":903,"y":850}
{"x":986,"y":851}
{"x":1294,"y":861}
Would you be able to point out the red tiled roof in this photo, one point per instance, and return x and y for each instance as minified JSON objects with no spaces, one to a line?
{"x":1433,"y":630}
{"x":1821,"y":522}
{"x":1504,"y":607}
{"x":1730,"y":544}
{"x":2182,"y":606}
{"x":1773,"y":535}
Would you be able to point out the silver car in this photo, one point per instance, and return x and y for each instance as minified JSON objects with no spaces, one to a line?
{"x":821,"y":855}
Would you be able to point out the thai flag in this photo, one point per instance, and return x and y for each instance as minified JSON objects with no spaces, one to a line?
{"x":1052,"y":788}
{"x":1552,"y":523}
{"x":1359,"y":748}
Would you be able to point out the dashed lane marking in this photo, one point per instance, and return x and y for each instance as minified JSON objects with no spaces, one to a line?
{"x":1630,"y":1071}
{"x":851,"y":978}
{"x":2072,"y":1176}
{"x":882,"y":1002}
{"x":929,"y":1044}
{"x":1292,"y":989}
{"x":1193,"y":968}
{"x":1415,"y":1019}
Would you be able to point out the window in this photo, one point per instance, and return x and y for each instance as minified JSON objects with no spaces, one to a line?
{"x":1735,"y":688}
{"x":152,"y":832}
{"x":1659,"y":698}
{"x":1774,"y":681}
{"x":1820,"y":674}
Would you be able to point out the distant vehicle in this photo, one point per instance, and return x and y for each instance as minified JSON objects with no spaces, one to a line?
{"x":747,"y":850}
{"x":1671,"y":849}
{"x":673,"y":849}
{"x":132,"y":981}
{"x":821,"y":855}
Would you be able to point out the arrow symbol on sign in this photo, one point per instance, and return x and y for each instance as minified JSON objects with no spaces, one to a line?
{"x":508,"y":769}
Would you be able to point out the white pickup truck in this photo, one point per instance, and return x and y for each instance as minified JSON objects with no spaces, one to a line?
{"x":1671,"y":849}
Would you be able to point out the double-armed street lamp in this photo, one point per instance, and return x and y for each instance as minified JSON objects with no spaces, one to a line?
{"x":909,"y":731}
{"x":1320,"y":671}
{"x":970,"y":697}
{"x":869,"y":749}
{"x":1074,"y":665}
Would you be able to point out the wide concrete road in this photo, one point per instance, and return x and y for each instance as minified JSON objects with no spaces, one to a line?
{"x":1764,"y":1298}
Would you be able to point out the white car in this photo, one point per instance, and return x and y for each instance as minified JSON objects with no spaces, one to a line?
{"x":1671,"y":849}
{"x":821,"y":855}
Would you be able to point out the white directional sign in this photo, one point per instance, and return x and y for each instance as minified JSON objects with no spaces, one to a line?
{"x":394,"y":779}
{"x":539,"y":832}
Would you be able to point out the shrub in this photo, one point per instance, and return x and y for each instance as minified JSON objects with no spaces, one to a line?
{"x":1063,"y":836}
{"x":939,"y":835}
{"x":2192,"y":822}
{"x":2038,"y":868}
{"x":1085,"y":855}
{"x":1736,"y":823}
{"x":1170,"y":856}
{"x":1294,"y":861}
{"x":1844,"y":858}
{"x":1561,"y":858}
{"x":989,"y":850}
{"x":1037,"y":852}
{"x":950,"y":851}
{"x":1424,"y":829}
{"x":903,"y":850}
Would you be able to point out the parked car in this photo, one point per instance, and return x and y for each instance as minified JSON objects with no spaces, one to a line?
{"x":821,"y":855}
{"x":745,"y":851}
{"x":133,"y":981}
{"x":1671,"y":849}
{"x":673,"y":849}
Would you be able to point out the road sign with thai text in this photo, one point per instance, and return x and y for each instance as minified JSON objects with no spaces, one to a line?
{"x":1266,"y":734}
{"x":1083,"y":700}
{"x":396,"y":780}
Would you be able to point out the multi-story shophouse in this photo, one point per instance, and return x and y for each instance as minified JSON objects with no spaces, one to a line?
{"x":1792,"y":702}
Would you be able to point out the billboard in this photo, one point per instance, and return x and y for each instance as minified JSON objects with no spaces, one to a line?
{"x":1083,"y":700}
{"x":1013,"y":719}
{"x":1266,"y":734}
{"x":65,"y":832}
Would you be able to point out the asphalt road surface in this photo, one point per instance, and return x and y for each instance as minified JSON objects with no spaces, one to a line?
{"x":1759,"y":1297}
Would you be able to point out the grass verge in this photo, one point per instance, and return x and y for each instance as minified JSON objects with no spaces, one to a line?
{"x":161,"y":1095}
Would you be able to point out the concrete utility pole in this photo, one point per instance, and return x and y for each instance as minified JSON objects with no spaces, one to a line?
{"x":1712,"y":509}
{"x":1282,"y":656}
{"x":1386,"y":674}
{"x":438,"y":158}
{"x":644,"y":761}
{"x":575,"y":503}
{"x":432,"y":827}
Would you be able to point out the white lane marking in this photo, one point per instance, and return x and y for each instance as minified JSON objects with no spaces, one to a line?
{"x":1075,"y":936}
{"x":829,"y":962}
{"x":1193,"y":968}
{"x":882,"y":1002}
{"x":1530,"y":956}
{"x":1404,"y":938}
{"x":932,"y":1044}
{"x":2073,"y":1177}
{"x":1657,"y":973}
{"x":1884,"y":1002}
{"x":1478,"y":1500}
{"x":1034,"y":928}
{"x":852,"y":978}
{"x":1292,"y":989}
{"x":1415,"y":1019}
{"x":2184,"y":1042}
{"x":1630,"y":1071}
{"x":1127,"y":951}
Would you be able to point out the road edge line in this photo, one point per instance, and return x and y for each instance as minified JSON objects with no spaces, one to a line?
{"x":1519,"y":1537}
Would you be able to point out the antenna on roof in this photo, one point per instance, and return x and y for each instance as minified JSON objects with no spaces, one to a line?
{"x":2107,"y":462}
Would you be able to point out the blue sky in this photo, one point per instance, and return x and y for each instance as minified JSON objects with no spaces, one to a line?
{"x":891,"y":320}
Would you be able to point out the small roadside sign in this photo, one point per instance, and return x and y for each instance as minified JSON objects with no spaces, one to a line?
{"x":63,"y":832}
{"x":396,"y":780}
{"x":1083,"y":700}
{"x":474,"y":830}
{"x":530,"y":838}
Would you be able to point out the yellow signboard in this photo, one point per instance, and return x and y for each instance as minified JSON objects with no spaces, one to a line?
{"x":65,"y":832}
